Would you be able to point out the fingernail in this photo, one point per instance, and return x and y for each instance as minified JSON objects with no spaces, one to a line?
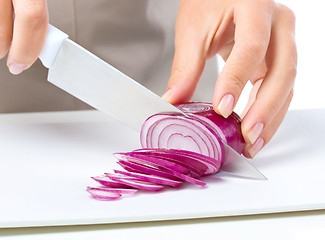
{"x":16,"y":68}
{"x":255,"y":132}
{"x":256,"y":147}
{"x":167,"y":95}
{"x":226,"y":105}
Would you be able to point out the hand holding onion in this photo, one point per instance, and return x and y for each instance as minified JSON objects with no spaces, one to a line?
{"x":256,"y":39}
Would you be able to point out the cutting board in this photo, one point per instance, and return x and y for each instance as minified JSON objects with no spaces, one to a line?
{"x":46,"y":164}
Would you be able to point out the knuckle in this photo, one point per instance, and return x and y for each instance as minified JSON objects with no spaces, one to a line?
{"x":177,"y":71}
{"x":290,"y":96}
{"x":236,"y":82}
{"x":271,"y":109}
{"x":4,"y":37}
{"x":288,"y":13}
{"x":269,"y":4}
{"x":35,"y":11}
{"x":292,"y":70}
{"x":255,"y":47}
{"x":5,"y":40}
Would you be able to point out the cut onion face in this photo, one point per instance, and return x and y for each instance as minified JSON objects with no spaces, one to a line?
{"x":179,"y":132}
{"x":176,"y":149}
{"x":228,"y":129}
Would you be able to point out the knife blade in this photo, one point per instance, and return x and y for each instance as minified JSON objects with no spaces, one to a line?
{"x":237,"y":165}
{"x":85,"y":76}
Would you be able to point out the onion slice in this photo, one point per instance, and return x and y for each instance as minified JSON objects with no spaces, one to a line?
{"x":114,"y":190}
{"x":163,"y":173}
{"x":141,"y":184}
{"x":203,"y":165}
{"x":152,"y":160}
{"x":115,"y":177}
{"x":108,"y":182}
{"x":151,"y":178}
{"x":196,"y":168}
{"x":103,"y":195}
{"x":147,"y":169}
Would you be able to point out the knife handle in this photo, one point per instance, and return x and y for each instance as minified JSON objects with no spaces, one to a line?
{"x":52,"y":44}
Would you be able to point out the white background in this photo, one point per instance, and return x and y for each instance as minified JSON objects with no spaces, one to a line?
{"x":310,"y":38}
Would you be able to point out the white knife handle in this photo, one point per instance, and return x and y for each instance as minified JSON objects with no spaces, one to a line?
{"x":52,"y":44}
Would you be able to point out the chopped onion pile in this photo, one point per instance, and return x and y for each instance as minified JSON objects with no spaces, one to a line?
{"x":176,"y":149}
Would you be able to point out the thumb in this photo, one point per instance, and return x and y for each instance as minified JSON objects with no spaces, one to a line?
{"x":188,"y":65}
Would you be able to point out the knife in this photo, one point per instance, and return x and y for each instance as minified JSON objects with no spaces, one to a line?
{"x":90,"y":79}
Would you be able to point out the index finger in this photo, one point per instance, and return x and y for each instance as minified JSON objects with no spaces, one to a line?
{"x":278,"y":82}
{"x":5,"y":26}
{"x":30,"y":27}
{"x":252,"y":34}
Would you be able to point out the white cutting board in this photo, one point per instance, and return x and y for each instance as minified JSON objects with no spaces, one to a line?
{"x":45,"y":168}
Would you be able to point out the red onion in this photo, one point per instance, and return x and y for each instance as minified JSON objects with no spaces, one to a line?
{"x":228,"y":129}
{"x":200,"y":132}
{"x":176,"y":148}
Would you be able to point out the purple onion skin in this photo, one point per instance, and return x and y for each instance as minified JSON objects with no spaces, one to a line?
{"x":230,"y":127}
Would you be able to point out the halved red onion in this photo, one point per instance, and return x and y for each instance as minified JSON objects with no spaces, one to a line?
{"x":103,"y":195}
{"x":151,"y":178}
{"x":229,"y":129}
{"x":179,"y":132}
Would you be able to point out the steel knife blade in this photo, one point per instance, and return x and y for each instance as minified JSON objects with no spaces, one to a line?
{"x":87,"y":77}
